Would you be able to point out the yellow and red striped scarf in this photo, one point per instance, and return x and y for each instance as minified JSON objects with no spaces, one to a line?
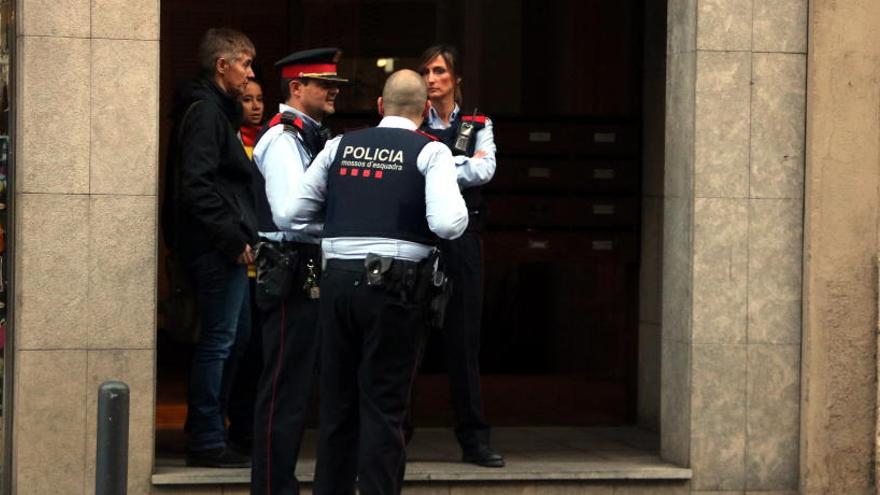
{"x":249,"y":138}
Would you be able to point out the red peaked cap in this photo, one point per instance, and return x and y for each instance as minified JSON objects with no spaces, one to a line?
{"x":317,"y":63}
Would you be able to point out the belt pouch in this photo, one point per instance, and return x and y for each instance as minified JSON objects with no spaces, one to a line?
{"x":276,"y":271}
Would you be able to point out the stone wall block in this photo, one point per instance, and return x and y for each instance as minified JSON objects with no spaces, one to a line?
{"x":675,"y":403}
{"x":124,"y":123}
{"x":303,"y":490}
{"x":630,"y":488}
{"x":125,"y":19}
{"x":773,"y":417}
{"x":53,"y":115}
{"x":677,"y":277}
{"x":780,"y":26}
{"x":198,"y":490}
{"x":122,"y":272}
{"x":778,"y":126}
{"x":426,"y":489}
{"x":720,"y":277}
{"x":775,"y":270}
{"x":50,"y":422}
{"x":62,"y":18}
{"x":679,"y":159}
{"x":52,"y":271}
{"x":487,"y":489}
{"x":724,"y":25}
{"x":721,"y":141}
{"x":719,"y":417}
{"x":548,"y":488}
{"x":682,"y":26}
{"x":136,"y":369}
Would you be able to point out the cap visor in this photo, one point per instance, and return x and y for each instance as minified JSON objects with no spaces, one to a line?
{"x":336,"y":79}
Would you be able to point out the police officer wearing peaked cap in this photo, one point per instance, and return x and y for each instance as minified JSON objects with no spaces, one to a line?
{"x":389,"y":192}
{"x":288,"y":265}
{"x":315,"y":63}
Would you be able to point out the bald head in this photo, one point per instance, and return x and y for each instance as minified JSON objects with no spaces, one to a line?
{"x":405,"y":95}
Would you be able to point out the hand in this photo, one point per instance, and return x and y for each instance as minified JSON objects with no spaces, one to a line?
{"x":479,"y":154}
{"x":247,"y":256}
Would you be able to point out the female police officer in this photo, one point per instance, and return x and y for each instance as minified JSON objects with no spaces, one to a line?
{"x":470,"y":139}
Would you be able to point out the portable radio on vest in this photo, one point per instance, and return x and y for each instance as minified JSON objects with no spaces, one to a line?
{"x":465,"y":135}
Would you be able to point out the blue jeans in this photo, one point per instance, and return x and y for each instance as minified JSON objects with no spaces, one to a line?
{"x":222,"y":294}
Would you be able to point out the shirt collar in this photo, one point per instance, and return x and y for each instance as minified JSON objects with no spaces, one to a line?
{"x":283,"y":107}
{"x":436,"y":122}
{"x":398,"y":122}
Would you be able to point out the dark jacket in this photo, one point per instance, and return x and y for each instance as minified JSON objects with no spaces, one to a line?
{"x":208,"y":203}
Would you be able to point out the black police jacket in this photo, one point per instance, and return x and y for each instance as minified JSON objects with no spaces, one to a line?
{"x":209,"y":202}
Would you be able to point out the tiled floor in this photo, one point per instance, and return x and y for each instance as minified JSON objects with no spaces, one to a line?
{"x":531,"y":454}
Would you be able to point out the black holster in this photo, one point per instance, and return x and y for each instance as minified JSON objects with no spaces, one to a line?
{"x":277,"y":265}
{"x":421,"y":282}
{"x":438,"y":290}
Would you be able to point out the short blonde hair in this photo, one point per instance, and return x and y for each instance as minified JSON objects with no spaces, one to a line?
{"x":222,"y":43}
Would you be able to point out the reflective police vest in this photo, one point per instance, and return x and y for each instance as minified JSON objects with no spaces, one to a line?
{"x":375,"y":188}
{"x":473,"y":196}
{"x":313,"y":142}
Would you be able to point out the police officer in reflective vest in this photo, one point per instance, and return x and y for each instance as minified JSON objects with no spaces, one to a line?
{"x":471,"y":140}
{"x":288,"y":264}
{"x":389,"y":192}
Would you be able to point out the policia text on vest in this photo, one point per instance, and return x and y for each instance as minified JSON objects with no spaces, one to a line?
{"x":382,"y":158}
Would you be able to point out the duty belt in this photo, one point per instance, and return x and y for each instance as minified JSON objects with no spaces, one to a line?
{"x":421,"y":282}
{"x":283,"y":267}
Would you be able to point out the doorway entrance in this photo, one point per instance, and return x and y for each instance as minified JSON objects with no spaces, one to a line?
{"x":562,"y":81}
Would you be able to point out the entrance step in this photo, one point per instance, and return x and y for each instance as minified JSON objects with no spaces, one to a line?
{"x":532,"y":454}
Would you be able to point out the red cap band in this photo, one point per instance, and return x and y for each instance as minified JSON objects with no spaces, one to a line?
{"x":299,"y":70}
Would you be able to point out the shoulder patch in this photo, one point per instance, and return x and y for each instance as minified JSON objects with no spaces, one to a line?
{"x":274,"y":120}
{"x":290,"y":118}
{"x":479,"y":119}
{"x":427,"y":135}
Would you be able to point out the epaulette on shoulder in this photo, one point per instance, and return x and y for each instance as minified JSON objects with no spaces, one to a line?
{"x":290,"y":119}
{"x":274,"y":121}
{"x":426,"y":134}
{"x":478,"y":118}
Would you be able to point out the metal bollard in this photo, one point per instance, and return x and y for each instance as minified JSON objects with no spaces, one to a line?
{"x":111,"y":463}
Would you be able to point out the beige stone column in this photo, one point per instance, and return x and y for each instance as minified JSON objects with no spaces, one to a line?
{"x":732,"y":242}
{"x":86,"y":168}
{"x":675,"y":400}
{"x":840,"y":300}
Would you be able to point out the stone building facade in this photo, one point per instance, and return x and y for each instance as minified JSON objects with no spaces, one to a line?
{"x":762,"y":231}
